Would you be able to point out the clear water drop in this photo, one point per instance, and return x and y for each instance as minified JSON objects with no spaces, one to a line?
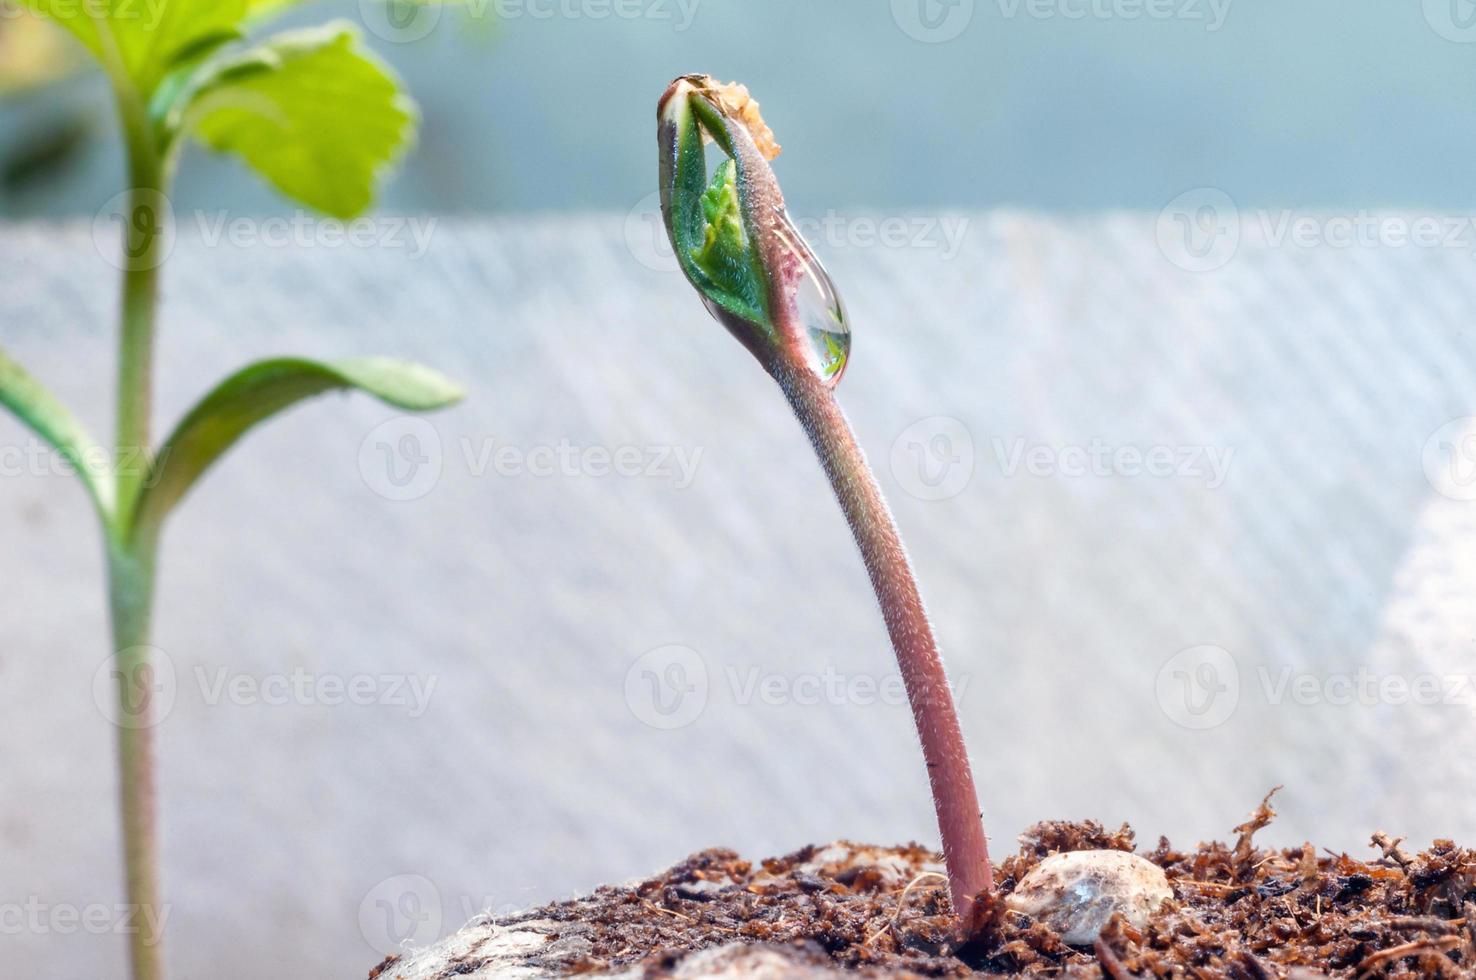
{"x":817,"y":304}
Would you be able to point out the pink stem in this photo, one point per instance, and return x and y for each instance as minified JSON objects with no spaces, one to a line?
{"x":965,"y":850}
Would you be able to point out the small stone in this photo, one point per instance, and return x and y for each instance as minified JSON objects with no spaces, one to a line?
{"x":1074,"y":893}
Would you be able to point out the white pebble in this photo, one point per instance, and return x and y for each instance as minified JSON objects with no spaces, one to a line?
{"x":1074,"y":893}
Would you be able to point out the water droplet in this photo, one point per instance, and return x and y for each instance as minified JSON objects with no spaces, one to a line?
{"x":817,"y":304}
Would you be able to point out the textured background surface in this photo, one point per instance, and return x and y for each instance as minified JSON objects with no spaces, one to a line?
{"x":527,"y":600}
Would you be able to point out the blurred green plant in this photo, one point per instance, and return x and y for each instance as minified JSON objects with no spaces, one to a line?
{"x":321,"y":118}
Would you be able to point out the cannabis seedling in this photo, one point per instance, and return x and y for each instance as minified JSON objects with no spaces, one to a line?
{"x":758,"y":277}
{"x":319,"y":117}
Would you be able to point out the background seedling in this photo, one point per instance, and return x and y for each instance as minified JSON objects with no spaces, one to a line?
{"x":318,"y":116}
{"x":759,"y":278}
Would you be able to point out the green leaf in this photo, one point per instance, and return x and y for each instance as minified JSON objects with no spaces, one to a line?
{"x":725,"y":255}
{"x":261,"y":390}
{"x":142,"y":39}
{"x":314,"y":112}
{"x":52,"y":421}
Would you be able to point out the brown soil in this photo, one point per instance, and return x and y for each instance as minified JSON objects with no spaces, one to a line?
{"x":1238,"y":911}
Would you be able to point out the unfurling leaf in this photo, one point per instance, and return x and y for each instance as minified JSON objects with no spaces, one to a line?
{"x":314,"y":112}
{"x":733,"y":236}
{"x":259,"y":391}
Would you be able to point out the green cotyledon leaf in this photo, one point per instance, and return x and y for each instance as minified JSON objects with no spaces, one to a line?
{"x":262,"y":390}
{"x":39,"y":409}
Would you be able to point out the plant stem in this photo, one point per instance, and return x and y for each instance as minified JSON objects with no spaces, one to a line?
{"x":130,"y":586}
{"x":965,"y":850}
{"x":143,"y":225}
{"x":130,"y":554}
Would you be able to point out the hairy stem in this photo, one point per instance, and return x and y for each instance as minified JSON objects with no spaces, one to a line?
{"x":130,"y":585}
{"x":960,"y":823}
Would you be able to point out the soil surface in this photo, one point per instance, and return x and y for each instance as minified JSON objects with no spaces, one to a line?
{"x":1238,"y":911}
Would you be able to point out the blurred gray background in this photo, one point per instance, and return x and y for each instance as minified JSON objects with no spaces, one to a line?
{"x":576,"y":675}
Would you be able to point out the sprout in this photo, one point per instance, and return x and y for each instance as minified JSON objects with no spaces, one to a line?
{"x":760,"y":279}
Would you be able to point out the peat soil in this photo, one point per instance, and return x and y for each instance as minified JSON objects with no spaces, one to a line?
{"x":1238,"y":911}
